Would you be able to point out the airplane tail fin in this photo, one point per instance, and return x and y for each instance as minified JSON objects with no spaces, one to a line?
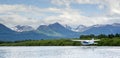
{"x":92,"y":38}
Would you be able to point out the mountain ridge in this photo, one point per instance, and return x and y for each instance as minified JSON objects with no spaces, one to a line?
{"x":55,"y":30}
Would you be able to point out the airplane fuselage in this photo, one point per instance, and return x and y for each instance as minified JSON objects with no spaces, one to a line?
{"x":87,"y":42}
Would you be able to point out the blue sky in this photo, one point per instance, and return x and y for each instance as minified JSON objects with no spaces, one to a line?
{"x":38,"y":3}
{"x":70,"y":12}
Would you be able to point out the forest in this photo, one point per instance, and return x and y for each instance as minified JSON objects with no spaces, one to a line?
{"x":105,"y":40}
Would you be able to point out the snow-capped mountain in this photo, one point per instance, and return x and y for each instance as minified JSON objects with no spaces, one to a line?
{"x":97,"y":25}
{"x":68,"y":27}
{"x":116,"y":24}
{"x":54,"y":30}
{"x":79,"y":28}
{"x":22,"y":28}
{"x":104,"y":29}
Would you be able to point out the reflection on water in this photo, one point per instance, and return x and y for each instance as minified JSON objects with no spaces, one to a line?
{"x":60,"y":52}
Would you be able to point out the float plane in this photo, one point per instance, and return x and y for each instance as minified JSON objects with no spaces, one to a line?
{"x":87,"y":42}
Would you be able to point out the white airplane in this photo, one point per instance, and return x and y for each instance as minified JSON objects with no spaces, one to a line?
{"x":87,"y":42}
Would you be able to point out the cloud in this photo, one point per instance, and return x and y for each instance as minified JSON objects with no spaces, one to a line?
{"x":88,"y":1}
{"x":65,"y":3}
{"x":15,"y":19}
{"x":11,"y":15}
{"x":113,"y":11}
{"x":113,"y":5}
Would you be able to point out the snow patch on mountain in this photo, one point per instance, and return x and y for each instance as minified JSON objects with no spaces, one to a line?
{"x":22,"y":28}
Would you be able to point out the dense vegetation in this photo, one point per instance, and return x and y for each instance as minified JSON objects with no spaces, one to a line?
{"x":105,"y":40}
{"x":60,"y":42}
{"x":110,"y":36}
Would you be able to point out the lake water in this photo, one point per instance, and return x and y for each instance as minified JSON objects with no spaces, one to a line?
{"x":60,"y":52}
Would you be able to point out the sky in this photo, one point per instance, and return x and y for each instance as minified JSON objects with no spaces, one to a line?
{"x":66,"y":12}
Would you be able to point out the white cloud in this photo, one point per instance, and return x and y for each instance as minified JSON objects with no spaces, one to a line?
{"x":34,"y":16}
{"x":88,"y":1}
{"x":15,"y":19}
{"x":101,"y":6}
{"x":65,"y":3}
{"x":113,"y":5}
{"x":113,"y":11}
{"x":11,"y":15}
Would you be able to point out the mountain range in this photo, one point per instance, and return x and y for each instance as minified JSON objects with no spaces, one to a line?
{"x":103,"y":29}
{"x":54,"y":31}
{"x":79,"y":28}
{"x":6,"y":34}
{"x":22,"y":28}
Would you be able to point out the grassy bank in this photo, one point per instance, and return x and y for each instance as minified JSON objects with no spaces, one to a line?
{"x":109,"y":42}
{"x":105,"y":40}
{"x":61,"y":42}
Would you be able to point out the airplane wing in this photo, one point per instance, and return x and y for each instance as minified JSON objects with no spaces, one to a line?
{"x":80,"y":40}
{"x":86,"y":40}
{"x":97,"y":40}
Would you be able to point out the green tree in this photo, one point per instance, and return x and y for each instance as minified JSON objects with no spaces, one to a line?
{"x":117,"y":35}
{"x":101,"y":36}
{"x":110,"y":36}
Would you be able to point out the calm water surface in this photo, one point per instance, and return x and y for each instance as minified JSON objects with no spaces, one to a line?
{"x":60,"y":52}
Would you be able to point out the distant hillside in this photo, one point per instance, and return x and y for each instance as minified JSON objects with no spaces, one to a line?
{"x":58,"y":30}
{"x":47,"y":30}
{"x":103,"y":29}
{"x":6,"y":34}
{"x":22,"y":28}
